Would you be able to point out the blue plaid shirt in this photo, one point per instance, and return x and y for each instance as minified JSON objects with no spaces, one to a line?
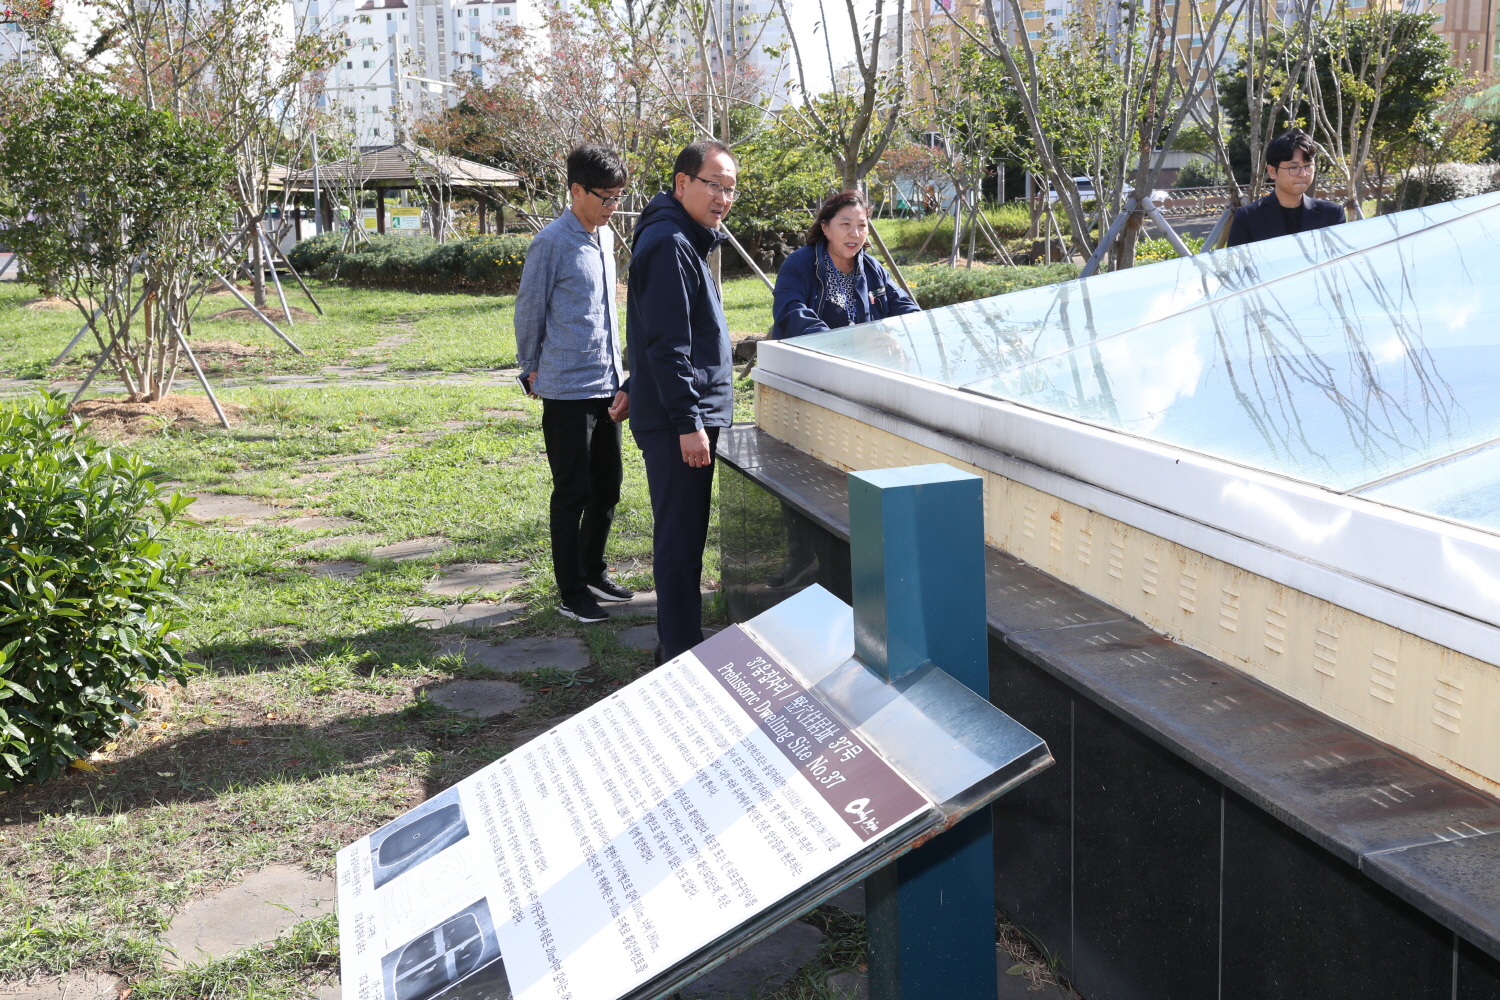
{"x":566,"y":328}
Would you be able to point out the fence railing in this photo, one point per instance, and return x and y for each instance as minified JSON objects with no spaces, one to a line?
{"x":1192,"y":200}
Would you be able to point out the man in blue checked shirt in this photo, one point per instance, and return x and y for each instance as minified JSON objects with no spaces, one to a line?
{"x":568,"y":342}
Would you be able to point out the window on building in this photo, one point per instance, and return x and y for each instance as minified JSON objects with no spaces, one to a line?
{"x":349,"y":65}
{"x":473,"y":11}
{"x":1032,"y":15}
{"x":1033,"y":34}
{"x":389,"y":16}
{"x":366,"y":64}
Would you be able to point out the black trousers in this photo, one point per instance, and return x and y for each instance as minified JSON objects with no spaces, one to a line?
{"x":681,"y":497}
{"x":583,"y":450}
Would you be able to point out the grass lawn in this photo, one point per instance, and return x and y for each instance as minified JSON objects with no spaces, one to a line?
{"x":444,"y":333}
{"x":309,"y":724}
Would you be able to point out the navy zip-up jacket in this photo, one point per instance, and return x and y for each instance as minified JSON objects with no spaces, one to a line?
{"x":681,"y":364}
{"x":801,"y":304}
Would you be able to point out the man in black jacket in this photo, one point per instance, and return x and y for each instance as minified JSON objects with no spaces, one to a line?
{"x":1289,"y":166}
{"x":681,"y":376}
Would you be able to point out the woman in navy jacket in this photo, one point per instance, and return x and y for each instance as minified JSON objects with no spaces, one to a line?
{"x":832,"y":282}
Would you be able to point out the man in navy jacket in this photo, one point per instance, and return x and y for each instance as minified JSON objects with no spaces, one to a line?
{"x":1290,"y":161}
{"x":681,"y":376}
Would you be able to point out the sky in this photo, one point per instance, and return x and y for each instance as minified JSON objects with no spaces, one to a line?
{"x":806,"y":22}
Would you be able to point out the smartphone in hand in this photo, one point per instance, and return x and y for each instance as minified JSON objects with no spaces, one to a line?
{"x":525,"y":385}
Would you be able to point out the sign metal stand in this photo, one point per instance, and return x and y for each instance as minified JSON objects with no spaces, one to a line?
{"x":917,"y":559}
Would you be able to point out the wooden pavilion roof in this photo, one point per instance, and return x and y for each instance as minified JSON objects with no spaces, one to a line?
{"x":396,"y":166}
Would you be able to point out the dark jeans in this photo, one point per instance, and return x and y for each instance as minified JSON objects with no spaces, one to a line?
{"x":680,"y":500}
{"x":583,"y":449}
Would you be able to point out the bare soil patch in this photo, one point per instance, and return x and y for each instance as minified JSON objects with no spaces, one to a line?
{"x":228,"y":349}
{"x":53,"y":305}
{"x":275,"y":314}
{"x":121,"y":419}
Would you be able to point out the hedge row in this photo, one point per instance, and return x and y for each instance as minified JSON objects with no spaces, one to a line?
{"x":416,"y":263}
{"x":940,"y":285}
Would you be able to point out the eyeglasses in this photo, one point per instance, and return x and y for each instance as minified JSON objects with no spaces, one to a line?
{"x":605,"y":201}
{"x":728,"y":194}
{"x":1295,"y":168}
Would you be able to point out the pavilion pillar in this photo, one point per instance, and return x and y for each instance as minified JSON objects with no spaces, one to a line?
{"x":380,"y":211}
{"x":483,"y":218}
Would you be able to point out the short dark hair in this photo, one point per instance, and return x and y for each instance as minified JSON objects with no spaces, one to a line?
{"x":833,"y":205}
{"x":1285,"y":146}
{"x":690,"y":160}
{"x":592,"y":166}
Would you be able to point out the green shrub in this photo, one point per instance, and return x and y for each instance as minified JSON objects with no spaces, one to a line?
{"x":1198,"y":173}
{"x":1152,"y":251}
{"x":1447,"y":182}
{"x":494,"y":260}
{"x":310,"y":254}
{"x":419,"y":263}
{"x":1011,"y":220}
{"x":87,"y":602}
{"x":940,"y":285}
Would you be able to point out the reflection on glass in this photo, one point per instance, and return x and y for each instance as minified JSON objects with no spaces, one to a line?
{"x":1465,"y":488}
{"x":1341,"y":357}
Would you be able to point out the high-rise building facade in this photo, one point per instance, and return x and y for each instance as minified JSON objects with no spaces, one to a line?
{"x":401,"y":56}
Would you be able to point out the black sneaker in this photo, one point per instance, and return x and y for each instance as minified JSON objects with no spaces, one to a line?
{"x":607,"y":590}
{"x":583,"y":609}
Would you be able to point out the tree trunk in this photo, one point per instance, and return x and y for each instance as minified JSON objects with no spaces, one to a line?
{"x":258,"y":268}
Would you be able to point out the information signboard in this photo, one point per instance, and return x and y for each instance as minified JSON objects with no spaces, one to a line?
{"x":398,"y":221}
{"x":596,"y":857}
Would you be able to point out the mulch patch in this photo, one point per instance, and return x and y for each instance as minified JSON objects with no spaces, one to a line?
{"x":120,"y":418}
{"x":273,"y":313}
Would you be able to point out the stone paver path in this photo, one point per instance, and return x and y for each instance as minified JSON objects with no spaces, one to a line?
{"x":480,"y":699}
{"x":639,"y":637}
{"x":334,"y":541}
{"x":521,"y":654}
{"x":319,"y":523}
{"x":468,"y":616}
{"x":412,"y":548}
{"x":209,"y":506}
{"x":248,"y":913}
{"x":74,"y":986}
{"x":761,"y":968}
{"x":849,"y":986}
{"x":477,"y":578}
{"x":336,"y":570}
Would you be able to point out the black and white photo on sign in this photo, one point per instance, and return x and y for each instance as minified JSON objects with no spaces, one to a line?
{"x":459,"y":959}
{"x":423,"y":833}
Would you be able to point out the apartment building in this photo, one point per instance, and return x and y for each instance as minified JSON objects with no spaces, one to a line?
{"x":401,"y":56}
{"x":749,"y":34}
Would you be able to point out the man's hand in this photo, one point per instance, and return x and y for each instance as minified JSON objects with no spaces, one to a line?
{"x":531,"y":381}
{"x":695,"y":449}
{"x":620,"y":408}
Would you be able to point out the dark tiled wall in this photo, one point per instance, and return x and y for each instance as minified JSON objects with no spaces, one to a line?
{"x":1147,"y":878}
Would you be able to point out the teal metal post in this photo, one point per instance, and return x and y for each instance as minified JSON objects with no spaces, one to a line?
{"x":916,"y":544}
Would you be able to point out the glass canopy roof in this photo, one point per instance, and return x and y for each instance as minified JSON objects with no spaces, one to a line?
{"x":1363,"y":358}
